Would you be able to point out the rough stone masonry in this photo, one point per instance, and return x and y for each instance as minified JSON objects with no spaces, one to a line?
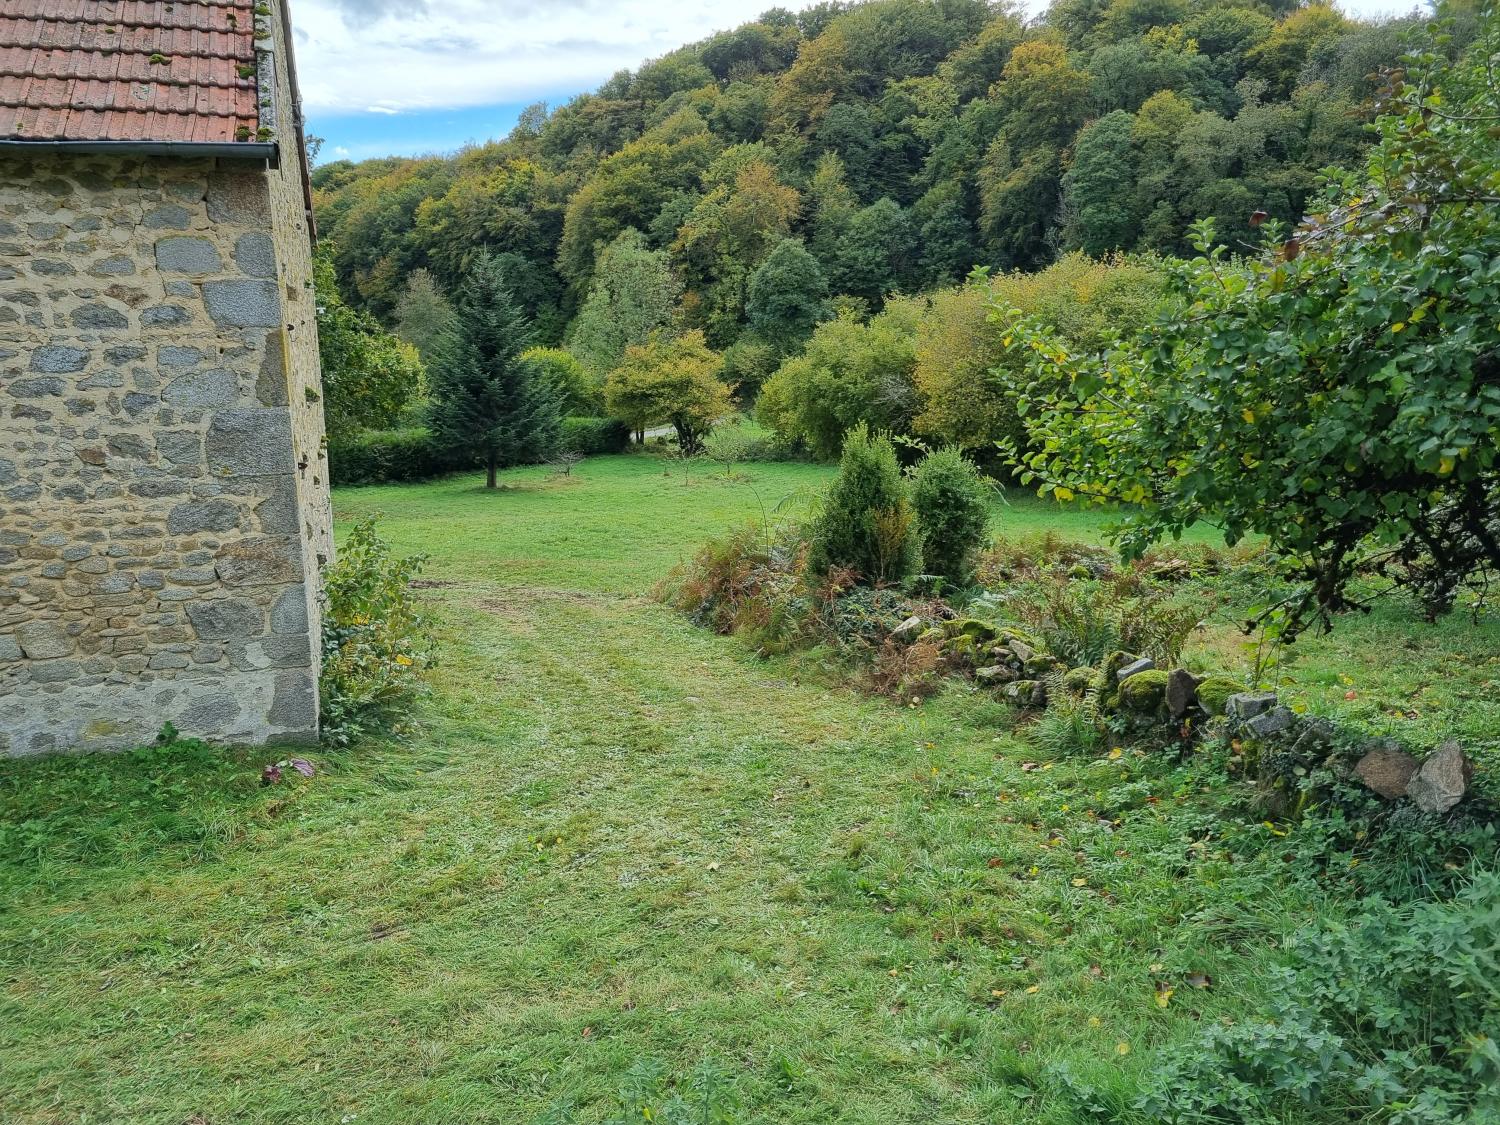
{"x":163,"y":486}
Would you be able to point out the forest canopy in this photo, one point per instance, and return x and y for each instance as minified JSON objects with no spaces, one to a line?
{"x":900,"y":142}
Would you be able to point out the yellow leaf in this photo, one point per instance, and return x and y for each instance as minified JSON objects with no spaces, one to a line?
{"x":1115,"y":753}
{"x":1122,"y":1048}
{"x":1095,"y":1021}
{"x":1033,"y":990}
{"x":1155,"y":966}
{"x":1164,"y":997}
{"x":1248,"y":414}
{"x":1399,"y":326}
{"x":1445,"y":466}
{"x":1063,"y":494}
{"x":1080,"y":882}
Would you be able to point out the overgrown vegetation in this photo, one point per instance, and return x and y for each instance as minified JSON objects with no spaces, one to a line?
{"x":376,"y":644}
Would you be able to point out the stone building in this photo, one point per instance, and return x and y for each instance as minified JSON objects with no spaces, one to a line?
{"x":163,"y":488}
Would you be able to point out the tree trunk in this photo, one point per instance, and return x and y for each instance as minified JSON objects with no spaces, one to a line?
{"x":489,"y":477}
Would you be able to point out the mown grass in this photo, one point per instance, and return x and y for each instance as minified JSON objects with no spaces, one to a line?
{"x":612,"y":836}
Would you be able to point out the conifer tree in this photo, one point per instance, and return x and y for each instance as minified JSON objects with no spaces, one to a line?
{"x":487,"y":401}
{"x":866,"y":524}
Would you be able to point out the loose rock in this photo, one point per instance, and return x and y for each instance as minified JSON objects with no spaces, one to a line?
{"x":1182,"y":692}
{"x":1442,"y":780}
{"x":1386,"y":770}
{"x":1248,"y":704}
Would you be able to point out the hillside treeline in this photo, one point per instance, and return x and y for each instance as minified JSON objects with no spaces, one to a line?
{"x":896,"y":143}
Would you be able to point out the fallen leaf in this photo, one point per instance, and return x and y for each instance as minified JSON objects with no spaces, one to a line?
{"x":1122,"y":1048}
{"x":1200,"y":980}
{"x":1164,"y":997}
{"x":1080,"y":882}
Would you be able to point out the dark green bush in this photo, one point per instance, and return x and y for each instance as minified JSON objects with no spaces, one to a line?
{"x":385,"y":456}
{"x":952,"y":506}
{"x":590,"y":436}
{"x":866,"y":525}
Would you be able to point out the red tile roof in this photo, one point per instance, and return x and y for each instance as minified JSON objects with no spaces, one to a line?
{"x":127,"y":70}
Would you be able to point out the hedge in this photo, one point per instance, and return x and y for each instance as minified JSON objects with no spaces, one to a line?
{"x":384,"y":456}
{"x":590,"y":436}
{"x":387,"y":456}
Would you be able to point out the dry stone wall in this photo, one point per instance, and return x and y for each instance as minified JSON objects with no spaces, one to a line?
{"x":163,"y":505}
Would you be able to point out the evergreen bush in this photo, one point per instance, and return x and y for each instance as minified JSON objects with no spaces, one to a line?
{"x":952,"y":509}
{"x":866,"y":525}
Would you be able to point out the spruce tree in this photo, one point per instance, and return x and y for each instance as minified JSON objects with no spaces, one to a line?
{"x":487,"y":401}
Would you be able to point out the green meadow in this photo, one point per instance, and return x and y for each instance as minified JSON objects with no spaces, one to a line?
{"x":611,"y":838}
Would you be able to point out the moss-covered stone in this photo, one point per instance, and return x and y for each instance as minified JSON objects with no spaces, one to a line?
{"x":979,"y":632}
{"x":1039,"y":665}
{"x":1080,"y":680}
{"x":1027,"y":693}
{"x":962,"y":647}
{"x":1214,"y":693}
{"x":1113,"y":663}
{"x":1145,"y":692}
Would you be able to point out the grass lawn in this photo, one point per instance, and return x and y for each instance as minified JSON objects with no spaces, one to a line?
{"x":612,"y":836}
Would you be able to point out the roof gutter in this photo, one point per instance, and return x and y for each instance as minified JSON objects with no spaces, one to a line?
{"x":267,"y":152}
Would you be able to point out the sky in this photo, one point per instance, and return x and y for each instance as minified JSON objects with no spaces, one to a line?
{"x":407,"y":77}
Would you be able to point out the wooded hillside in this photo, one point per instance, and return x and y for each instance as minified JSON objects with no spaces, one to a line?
{"x":903,"y":141}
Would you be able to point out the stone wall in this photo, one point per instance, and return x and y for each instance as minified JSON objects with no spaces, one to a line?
{"x":163,"y":504}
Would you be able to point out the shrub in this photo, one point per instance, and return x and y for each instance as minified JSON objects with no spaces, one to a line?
{"x":375,"y":644}
{"x":583,"y":393}
{"x":592,"y":436}
{"x":745,"y":582}
{"x":1388,"y":1019}
{"x":849,"y":374}
{"x":962,"y":363}
{"x":729,"y":445}
{"x":952,"y":514}
{"x":382,"y":456}
{"x":866,"y":524}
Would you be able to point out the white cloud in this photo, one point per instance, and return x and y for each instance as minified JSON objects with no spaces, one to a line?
{"x":409,"y":55}
{"x":390,"y":55}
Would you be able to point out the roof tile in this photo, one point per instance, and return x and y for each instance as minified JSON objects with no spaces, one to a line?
{"x":108,"y":70}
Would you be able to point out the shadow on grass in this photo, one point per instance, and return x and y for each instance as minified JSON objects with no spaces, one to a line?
{"x":180,"y":800}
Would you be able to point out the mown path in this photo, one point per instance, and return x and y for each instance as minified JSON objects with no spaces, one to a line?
{"x":614,"y":837}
